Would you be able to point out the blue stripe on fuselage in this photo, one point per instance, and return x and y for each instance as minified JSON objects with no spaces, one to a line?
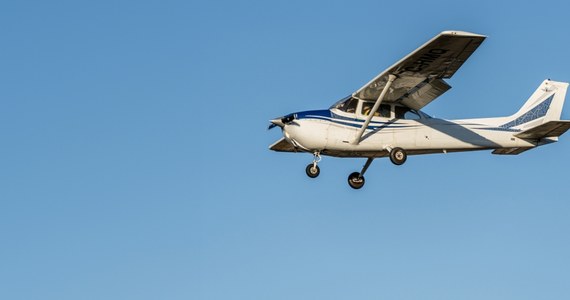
{"x":327,"y":115}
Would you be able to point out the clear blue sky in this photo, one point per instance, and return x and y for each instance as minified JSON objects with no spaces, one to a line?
{"x":135,"y":163}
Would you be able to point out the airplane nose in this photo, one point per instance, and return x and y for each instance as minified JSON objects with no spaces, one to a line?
{"x":288,"y":118}
{"x":276,"y":123}
{"x":281,"y":122}
{"x":287,"y":135}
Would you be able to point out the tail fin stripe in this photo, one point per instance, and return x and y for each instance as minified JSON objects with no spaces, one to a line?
{"x":538,"y":111}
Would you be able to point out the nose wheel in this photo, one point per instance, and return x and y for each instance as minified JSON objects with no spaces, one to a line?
{"x":313,"y":169}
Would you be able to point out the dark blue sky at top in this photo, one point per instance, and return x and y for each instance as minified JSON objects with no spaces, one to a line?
{"x":135,"y":163}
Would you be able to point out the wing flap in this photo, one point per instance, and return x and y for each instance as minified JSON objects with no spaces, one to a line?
{"x":548,"y":129}
{"x":422,"y":95}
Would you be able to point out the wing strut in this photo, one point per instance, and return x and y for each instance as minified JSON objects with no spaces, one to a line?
{"x":391,"y":79}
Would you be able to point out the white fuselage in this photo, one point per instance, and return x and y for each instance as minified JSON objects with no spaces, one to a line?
{"x":332,"y":132}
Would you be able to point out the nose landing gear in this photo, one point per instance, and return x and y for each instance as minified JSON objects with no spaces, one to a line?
{"x":313,"y":169}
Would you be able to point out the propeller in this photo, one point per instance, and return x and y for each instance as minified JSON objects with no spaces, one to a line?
{"x":281,"y":122}
{"x":275,"y":123}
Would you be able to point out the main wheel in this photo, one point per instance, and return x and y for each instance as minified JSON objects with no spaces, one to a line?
{"x":355,"y":180}
{"x":398,"y":156}
{"x":312,"y":170}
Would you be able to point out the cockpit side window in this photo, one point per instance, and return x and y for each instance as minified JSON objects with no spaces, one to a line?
{"x":406,"y":113}
{"x":383,"y":111}
{"x":348,"y":105}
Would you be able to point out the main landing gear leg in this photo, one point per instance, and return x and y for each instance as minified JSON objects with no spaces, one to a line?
{"x":355,"y":179}
{"x":313,"y":169}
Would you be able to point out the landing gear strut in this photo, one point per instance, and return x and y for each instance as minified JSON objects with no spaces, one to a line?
{"x":313,"y":169}
{"x":355,"y":179}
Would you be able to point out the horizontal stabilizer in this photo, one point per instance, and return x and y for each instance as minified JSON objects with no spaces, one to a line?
{"x":282,"y":146}
{"x":511,"y":151}
{"x":548,"y":129}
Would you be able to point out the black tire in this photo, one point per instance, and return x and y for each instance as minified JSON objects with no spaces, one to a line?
{"x":312,"y":172}
{"x":398,"y":156}
{"x":355,"y":180}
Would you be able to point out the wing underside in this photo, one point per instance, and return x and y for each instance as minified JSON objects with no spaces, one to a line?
{"x":419,"y":75}
{"x":282,"y":146}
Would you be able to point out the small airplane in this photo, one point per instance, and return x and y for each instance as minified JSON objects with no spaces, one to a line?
{"x":383,"y":118}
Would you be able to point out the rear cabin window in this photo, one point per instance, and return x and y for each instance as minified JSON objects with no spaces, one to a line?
{"x":406,"y":113}
{"x":383,"y":111}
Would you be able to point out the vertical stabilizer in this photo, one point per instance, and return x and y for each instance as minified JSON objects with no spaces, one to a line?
{"x":543,"y":106}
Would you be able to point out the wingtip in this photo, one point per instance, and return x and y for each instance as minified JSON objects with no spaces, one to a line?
{"x":462,"y":33}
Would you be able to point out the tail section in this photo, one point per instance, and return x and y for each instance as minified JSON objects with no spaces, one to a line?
{"x":550,"y":129}
{"x":539,"y":118}
{"x":543,"y":106}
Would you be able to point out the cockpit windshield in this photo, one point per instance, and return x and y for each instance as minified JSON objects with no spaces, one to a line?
{"x":347,"y":104}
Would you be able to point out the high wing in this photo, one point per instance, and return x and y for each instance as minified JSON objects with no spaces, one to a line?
{"x":419,"y":75}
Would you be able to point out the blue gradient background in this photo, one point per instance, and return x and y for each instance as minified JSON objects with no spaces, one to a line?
{"x":135,"y":164}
